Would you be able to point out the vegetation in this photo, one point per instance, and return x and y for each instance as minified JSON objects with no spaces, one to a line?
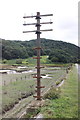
{"x":4,"y":61}
{"x":32,"y":113}
{"x":19,"y":61}
{"x":58,"y":51}
{"x":61,"y":103}
{"x":66,"y":106}
{"x":53,"y":93}
{"x":22,"y":85}
{"x":32,"y":62}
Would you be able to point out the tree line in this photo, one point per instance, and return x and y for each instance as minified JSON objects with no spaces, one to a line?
{"x":58,"y":51}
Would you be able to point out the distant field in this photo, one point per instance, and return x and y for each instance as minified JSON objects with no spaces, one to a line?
{"x":28,"y":61}
{"x":32,"y":62}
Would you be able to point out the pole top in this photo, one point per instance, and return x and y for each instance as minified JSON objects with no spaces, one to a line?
{"x":38,"y":12}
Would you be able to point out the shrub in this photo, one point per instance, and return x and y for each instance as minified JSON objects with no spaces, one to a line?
{"x":31,"y":112}
{"x":4,"y":61}
{"x":53,"y":93}
{"x":19,"y":61}
{"x":58,"y":82}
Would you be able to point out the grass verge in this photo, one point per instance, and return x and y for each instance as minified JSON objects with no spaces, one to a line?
{"x":67,"y":105}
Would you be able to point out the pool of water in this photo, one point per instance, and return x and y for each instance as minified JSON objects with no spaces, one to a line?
{"x":14,"y":72}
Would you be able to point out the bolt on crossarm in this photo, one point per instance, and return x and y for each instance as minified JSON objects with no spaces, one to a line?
{"x":38,"y":48}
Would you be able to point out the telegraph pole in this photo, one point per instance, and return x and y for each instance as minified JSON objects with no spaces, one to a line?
{"x":38,"y":48}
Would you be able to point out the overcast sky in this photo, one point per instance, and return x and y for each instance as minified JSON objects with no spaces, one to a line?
{"x":65,"y":19}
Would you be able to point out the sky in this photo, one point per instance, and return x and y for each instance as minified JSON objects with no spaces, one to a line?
{"x":65,"y":19}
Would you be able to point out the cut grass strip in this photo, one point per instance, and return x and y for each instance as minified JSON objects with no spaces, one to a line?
{"x":67,"y":105}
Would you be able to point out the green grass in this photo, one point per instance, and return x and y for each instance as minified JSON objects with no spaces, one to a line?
{"x":13,"y":91}
{"x":28,"y":61}
{"x":32,"y":113}
{"x":67,"y":105}
{"x":11,"y":62}
{"x":32,"y":62}
{"x":17,"y":83}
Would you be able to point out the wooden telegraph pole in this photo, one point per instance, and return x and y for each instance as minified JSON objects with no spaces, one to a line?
{"x":38,"y":48}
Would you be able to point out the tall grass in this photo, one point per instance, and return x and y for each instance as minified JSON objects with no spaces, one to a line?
{"x":18,"y":86}
{"x":67,"y":105}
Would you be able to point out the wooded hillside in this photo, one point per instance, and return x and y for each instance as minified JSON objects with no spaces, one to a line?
{"x":58,"y":51}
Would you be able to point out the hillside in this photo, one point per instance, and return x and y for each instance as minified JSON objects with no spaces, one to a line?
{"x":58,"y":51}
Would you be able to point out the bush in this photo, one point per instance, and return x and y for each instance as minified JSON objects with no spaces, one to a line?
{"x":59,"y":81}
{"x":4,"y":61}
{"x":31,"y":112}
{"x":19,"y":61}
{"x":53,"y":93}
